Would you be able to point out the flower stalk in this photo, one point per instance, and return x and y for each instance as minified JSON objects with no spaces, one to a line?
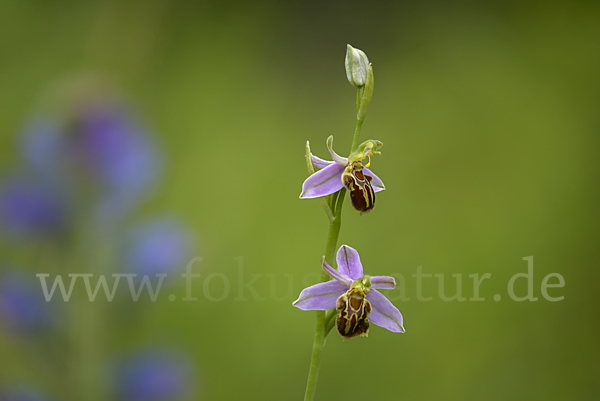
{"x":326,"y":320}
{"x":351,"y":301}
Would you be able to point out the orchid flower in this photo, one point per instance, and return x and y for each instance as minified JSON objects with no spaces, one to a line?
{"x":354,"y":296}
{"x":346,"y":172}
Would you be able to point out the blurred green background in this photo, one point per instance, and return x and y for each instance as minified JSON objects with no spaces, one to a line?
{"x":489,"y":113}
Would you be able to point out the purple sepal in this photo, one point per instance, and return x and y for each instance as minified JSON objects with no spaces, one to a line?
{"x":348,"y":262}
{"x":376,"y":182}
{"x":323,"y":182}
{"x":320,"y":296}
{"x":384,"y":313}
{"x":320,"y":163}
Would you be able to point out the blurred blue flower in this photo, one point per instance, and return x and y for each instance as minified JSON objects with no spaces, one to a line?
{"x":158,"y":247}
{"x":153,"y":376}
{"x":99,"y":147}
{"x":21,"y":394}
{"x":23,"y":308}
{"x":29,"y":207}
{"x":115,"y":146}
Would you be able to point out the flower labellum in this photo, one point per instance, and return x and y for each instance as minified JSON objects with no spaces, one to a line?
{"x":362,"y":194}
{"x":353,"y":310}
{"x":354,"y":296}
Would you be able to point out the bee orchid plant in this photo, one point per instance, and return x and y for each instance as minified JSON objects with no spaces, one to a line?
{"x":349,"y":302}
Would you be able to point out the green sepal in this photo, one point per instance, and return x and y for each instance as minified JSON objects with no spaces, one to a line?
{"x":366,"y":95}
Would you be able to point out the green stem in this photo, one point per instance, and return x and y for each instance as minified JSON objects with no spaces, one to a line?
{"x":315,"y":360}
{"x":359,"y":123}
{"x":321,"y":331}
{"x":324,"y":319}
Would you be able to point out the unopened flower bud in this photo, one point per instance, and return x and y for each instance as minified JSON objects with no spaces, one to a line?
{"x":357,"y":66}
